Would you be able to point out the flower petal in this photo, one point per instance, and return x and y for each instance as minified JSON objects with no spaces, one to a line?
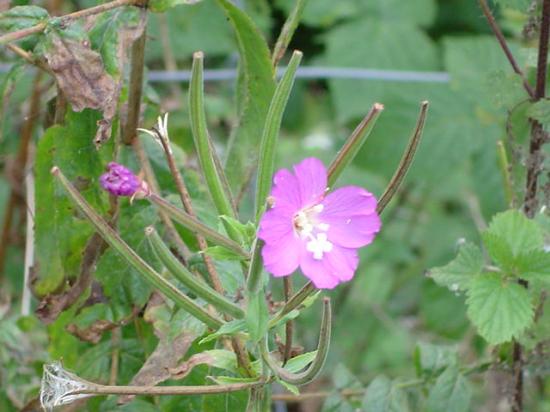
{"x":312,"y":180}
{"x":286,"y":190}
{"x":281,"y":258}
{"x":351,"y":215}
{"x":336,"y":266}
{"x":275,"y":224}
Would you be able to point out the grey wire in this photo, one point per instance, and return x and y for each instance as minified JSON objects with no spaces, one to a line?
{"x":311,"y":72}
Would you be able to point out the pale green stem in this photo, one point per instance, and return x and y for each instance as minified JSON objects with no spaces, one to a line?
{"x":295,"y":301}
{"x":196,"y":226}
{"x":181,"y":273}
{"x":287,"y":31}
{"x":208,"y":159}
{"x":148,"y":273}
{"x":315,"y":367}
{"x":353,"y":144}
{"x":270,"y":134}
{"x":405,"y":162}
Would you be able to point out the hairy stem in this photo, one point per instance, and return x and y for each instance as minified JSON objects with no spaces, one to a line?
{"x":136,"y":85}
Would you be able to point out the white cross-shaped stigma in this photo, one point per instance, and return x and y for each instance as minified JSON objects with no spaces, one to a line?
{"x":319,"y":245}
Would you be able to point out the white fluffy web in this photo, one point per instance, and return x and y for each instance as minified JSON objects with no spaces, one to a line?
{"x":59,"y":386}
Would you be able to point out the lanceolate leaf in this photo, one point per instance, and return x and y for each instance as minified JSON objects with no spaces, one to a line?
{"x":500,"y":309}
{"x":256,"y":87}
{"x":458,"y":274}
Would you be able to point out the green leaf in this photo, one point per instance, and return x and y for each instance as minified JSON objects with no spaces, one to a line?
{"x":160,"y":6}
{"x":229,"y":328}
{"x":499,"y":309}
{"x":383,"y":396}
{"x":22,"y":17}
{"x":540,"y":111}
{"x":289,"y":387}
{"x":451,"y":392}
{"x":246,"y":231}
{"x":534,"y":265}
{"x":257,"y":316}
{"x":520,"y":5}
{"x":509,"y":236}
{"x":120,"y":281}
{"x":297,"y":363}
{"x":111,"y":33}
{"x":458,"y":274}
{"x":431,"y":359}
{"x":255,"y":88}
{"x":61,"y":232}
{"x":221,"y":253}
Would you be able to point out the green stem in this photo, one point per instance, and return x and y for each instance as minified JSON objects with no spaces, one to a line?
{"x":210,"y":164}
{"x":149,"y":274}
{"x":287,"y":31}
{"x":405,"y":162}
{"x":256,"y":268}
{"x":354,"y":143}
{"x":196,"y":226}
{"x":315,"y":367}
{"x":270,"y":134}
{"x":181,"y":273}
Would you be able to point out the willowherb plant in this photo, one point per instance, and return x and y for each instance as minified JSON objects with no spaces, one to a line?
{"x":300,"y":221}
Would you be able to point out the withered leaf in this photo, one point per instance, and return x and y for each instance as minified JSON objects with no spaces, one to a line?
{"x":81,"y":76}
{"x":170,"y":349}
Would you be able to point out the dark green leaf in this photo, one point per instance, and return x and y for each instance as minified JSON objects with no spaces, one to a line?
{"x":383,"y":396}
{"x":500,"y":309}
{"x":458,"y":274}
{"x":22,"y":17}
{"x":451,"y":392}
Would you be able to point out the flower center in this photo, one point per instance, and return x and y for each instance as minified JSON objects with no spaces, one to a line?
{"x":307,"y":225}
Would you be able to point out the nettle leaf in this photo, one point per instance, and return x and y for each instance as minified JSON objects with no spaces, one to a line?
{"x":540,"y":111}
{"x":451,"y":392}
{"x":22,"y":17}
{"x":500,"y":309}
{"x":256,"y":86}
{"x":534,"y":265}
{"x":458,"y":274}
{"x":520,"y":5}
{"x":509,"y":236}
{"x":383,"y":396}
{"x":506,"y":89}
{"x":431,"y":359}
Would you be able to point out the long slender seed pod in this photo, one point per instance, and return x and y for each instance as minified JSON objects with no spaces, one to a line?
{"x":315,"y":367}
{"x":181,"y":273}
{"x":148,"y":273}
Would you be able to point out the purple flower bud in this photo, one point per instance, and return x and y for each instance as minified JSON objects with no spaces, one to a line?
{"x":120,"y":181}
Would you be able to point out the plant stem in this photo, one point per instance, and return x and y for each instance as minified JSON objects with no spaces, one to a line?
{"x":294,"y":302}
{"x":188,"y":206}
{"x":502,"y":41}
{"x":353,"y":144}
{"x":197,"y":226}
{"x":136,"y":84}
{"x":287,"y":32}
{"x":534,"y":162}
{"x":153,"y":184}
{"x":534,"y":168}
{"x":95,"y":389}
{"x":289,"y":327}
{"x":40,"y":27}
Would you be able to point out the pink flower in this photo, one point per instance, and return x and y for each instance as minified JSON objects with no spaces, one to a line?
{"x":318,"y":232}
{"x":121,"y":181}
